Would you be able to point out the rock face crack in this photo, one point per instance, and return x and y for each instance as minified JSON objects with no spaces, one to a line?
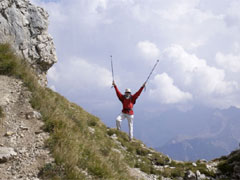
{"x":4,"y":14}
{"x":24,"y":26}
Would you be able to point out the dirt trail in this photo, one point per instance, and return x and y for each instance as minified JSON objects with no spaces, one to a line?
{"x":20,"y":132}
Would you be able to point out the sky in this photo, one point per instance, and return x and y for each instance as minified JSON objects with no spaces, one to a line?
{"x":197,"y":44}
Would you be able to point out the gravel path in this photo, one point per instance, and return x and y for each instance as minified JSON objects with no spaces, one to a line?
{"x":22,"y":150}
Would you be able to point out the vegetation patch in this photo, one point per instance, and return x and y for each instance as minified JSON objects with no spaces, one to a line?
{"x":1,"y":112}
{"x":152,"y":162}
{"x":226,"y":165}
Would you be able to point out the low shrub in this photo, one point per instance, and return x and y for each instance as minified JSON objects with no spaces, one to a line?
{"x":141,"y":151}
{"x":8,"y":63}
{"x":1,"y":112}
{"x":159,"y":160}
{"x":225,"y":167}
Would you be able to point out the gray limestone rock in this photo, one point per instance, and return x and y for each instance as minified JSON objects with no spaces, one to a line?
{"x":200,"y":176}
{"x":6,"y":153}
{"x":24,"y":26}
{"x":33,"y":114}
{"x":190,"y":175}
{"x":91,"y":130}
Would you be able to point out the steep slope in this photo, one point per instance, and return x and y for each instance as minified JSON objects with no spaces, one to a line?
{"x":81,"y":145}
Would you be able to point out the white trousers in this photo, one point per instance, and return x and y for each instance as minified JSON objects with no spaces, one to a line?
{"x":123,"y":116}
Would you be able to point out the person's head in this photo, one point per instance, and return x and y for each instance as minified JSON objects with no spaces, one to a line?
{"x":127,"y":93}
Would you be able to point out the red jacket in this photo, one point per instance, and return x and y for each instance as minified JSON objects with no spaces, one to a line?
{"x":128,"y":103}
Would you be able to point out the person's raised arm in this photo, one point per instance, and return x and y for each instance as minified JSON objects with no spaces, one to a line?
{"x":135,"y":96}
{"x":119,"y":94}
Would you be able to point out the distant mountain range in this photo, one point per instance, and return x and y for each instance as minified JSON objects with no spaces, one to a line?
{"x":223,"y":136}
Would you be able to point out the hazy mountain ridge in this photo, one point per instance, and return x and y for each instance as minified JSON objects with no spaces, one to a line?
{"x":221,"y":138}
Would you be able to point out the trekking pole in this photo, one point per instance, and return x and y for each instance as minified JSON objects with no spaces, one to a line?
{"x":151,"y":72}
{"x":112,"y":68}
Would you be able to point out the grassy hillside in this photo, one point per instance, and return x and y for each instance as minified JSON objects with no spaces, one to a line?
{"x":82,"y":146}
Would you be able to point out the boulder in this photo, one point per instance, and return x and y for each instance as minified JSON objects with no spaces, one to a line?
{"x":33,"y":114}
{"x":6,"y":153}
{"x":9,"y":133}
{"x":194,"y":164}
{"x":200,"y":176}
{"x":190,"y":175}
{"x":114,"y":137}
{"x":91,"y":130}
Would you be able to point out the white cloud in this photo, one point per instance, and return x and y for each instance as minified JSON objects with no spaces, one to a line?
{"x":206,"y":83}
{"x":166,"y":92}
{"x":177,"y":9}
{"x":53,"y":74}
{"x":53,"y":88}
{"x":233,"y":10}
{"x":196,"y":44}
{"x":148,"y":49}
{"x":80,"y":74}
{"x":229,"y":62}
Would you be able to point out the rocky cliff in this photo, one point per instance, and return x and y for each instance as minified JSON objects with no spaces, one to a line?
{"x":24,"y":26}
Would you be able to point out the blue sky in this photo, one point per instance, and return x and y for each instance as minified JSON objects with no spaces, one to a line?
{"x":197,"y":43}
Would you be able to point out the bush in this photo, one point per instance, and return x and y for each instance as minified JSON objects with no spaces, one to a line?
{"x":141,"y":151}
{"x":225,"y":168}
{"x":51,"y":171}
{"x":226,"y":165}
{"x":144,"y":167}
{"x":11,"y":65}
{"x":1,"y":112}
{"x":92,"y":122}
{"x":110,"y":132}
{"x":8,"y":63}
{"x":159,"y":160}
{"x":177,"y":172}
